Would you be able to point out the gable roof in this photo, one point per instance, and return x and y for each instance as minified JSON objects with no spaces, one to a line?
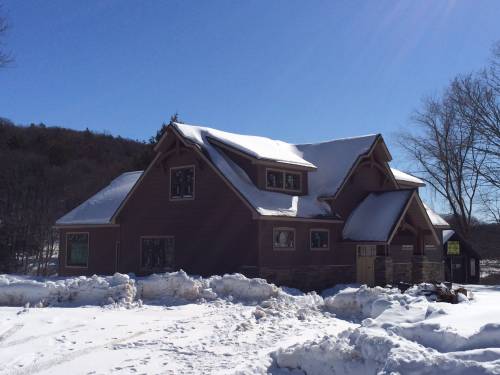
{"x":376,"y":217}
{"x":100,"y":208}
{"x":406,"y":179}
{"x":334,"y":159}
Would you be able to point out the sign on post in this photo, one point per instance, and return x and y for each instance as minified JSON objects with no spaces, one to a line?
{"x":453,"y":248}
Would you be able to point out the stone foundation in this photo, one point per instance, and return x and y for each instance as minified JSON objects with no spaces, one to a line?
{"x":383,"y":270}
{"x":402,"y":272}
{"x":425,"y":271}
{"x":308,"y":278}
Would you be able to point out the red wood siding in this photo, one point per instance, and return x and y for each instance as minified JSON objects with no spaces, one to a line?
{"x":214,"y":233}
{"x":102,"y":249}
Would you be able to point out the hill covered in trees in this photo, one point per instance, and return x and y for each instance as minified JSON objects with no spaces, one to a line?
{"x":45,"y":172}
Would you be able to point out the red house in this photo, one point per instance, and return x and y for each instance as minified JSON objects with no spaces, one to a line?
{"x":213,"y":202}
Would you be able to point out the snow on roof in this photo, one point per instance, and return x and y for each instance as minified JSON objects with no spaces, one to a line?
{"x":100,"y":208}
{"x":335,"y":157}
{"x":447,"y":233}
{"x":403,"y":177}
{"x":258,"y":147}
{"x":436,"y":220}
{"x":375,"y":217}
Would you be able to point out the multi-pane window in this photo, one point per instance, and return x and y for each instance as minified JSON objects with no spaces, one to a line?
{"x":283,"y":238}
{"x":408,"y":247}
{"x":292,"y":181}
{"x":281,"y":180}
{"x":320,"y":239}
{"x":77,"y":249}
{"x":274,"y":179}
{"x":157,"y":252}
{"x":182,"y":183}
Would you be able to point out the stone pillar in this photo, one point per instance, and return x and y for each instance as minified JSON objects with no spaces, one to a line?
{"x":383,"y":270}
{"x":424,"y":270}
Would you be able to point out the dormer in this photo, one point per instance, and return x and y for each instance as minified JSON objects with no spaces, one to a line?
{"x":281,"y":171}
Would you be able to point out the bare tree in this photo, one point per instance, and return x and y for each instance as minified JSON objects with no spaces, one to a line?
{"x":5,"y":57}
{"x":444,"y":148}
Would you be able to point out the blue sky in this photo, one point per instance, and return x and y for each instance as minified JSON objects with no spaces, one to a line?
{"x":294,"y":70}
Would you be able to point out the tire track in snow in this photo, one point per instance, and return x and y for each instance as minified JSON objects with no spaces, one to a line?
{"x":35,"y":367}
{"x":29,"y":338}
{"x":16,"y":327}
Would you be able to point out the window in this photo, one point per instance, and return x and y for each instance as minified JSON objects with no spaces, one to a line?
{"x":320,"y":239}
{"x":182,"y":183}
{"x":274,"y":179}
{"x":284,"y":238}
{"x":367,"y":250}
{"x":77,"y":249}
{"x":472,"y":267}
{"x":157,"y":252}
{"x":292,"y":181}
{"x":407,"y":247}
{"x":281,"y":180}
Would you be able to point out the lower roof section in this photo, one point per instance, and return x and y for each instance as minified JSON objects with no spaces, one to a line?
{"x":376,"y":217}
{"x":100,"y":208}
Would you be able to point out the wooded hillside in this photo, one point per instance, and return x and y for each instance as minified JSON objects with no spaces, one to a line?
{"x":45,"y":172}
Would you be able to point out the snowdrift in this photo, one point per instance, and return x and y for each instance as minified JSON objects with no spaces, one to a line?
{"x":77,"y":291}
{"x":404,"y":333}
{"x":167,"y":288}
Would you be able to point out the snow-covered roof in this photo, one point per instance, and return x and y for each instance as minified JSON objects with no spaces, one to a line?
{"x":259,"y":147}
{"x":436,"y":220}
{"x":335,"y":158}
{"x":406,"y":178}
{"x":376,"y":216}
{"x":447,"y":233}
{"x":100,"y":208}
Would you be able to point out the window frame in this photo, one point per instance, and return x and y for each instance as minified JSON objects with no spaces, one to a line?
{"x":67,"y":252}
{"x":289,"y":229}
{"x":310,"y":239}
{"x":152,"y":236}
{"x":284,"y":173}
{"x":406,"y":247}
{"x":173,"y":199}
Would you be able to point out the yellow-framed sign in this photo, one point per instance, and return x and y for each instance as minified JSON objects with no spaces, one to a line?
{"x":453,"y":248}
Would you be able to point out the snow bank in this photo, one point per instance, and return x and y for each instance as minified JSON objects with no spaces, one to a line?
{"x":365,"y":302}
{"x":179,"y":285}
{"x":77,"y":291}
{"x":375,"y":351}
{"x":167,"y":288}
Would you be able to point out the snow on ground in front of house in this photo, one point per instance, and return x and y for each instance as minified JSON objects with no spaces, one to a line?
{"x":178,"y":324}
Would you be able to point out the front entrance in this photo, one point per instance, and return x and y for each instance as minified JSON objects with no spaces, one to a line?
{"x":366,"y":264}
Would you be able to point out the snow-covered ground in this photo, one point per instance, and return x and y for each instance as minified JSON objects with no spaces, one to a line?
{"x":177,"y":324}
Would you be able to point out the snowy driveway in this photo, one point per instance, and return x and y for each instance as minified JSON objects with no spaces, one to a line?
{"x":217,"y":337}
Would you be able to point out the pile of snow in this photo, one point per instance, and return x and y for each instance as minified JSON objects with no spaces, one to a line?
{"x":401,"y":333}
{"x":179,"y":285}
{"x":367,"y":350}
{"x":76,"y":291}
{"x":365,"y":302}
{"x":167,"y":288}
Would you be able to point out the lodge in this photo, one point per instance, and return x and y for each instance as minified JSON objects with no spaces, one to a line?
{"x":307,"y":216}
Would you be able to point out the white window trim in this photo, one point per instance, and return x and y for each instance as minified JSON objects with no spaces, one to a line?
{"x":140,"y":249}
{"x":67,"y":253}
{"x":310,"y":239}
{"x":283,"y":172}
{"x":294,"y":239}
{"x":172,"y":199}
